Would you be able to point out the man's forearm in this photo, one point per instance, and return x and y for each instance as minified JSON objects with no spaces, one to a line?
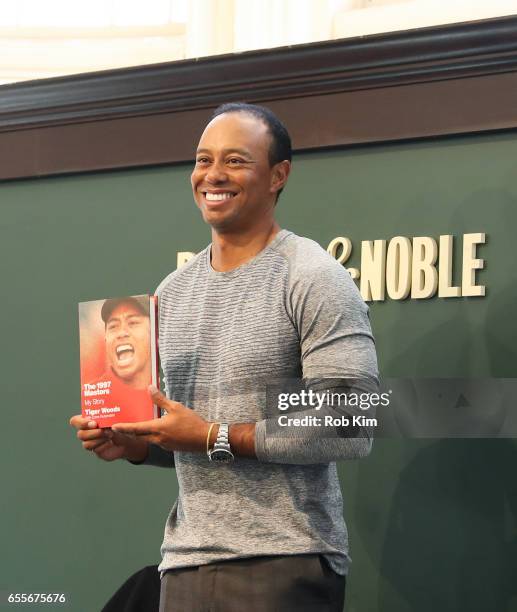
{"x":330,"y":432}
{"x":242,"y":439}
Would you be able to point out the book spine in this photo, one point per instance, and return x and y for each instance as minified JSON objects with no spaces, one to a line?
{"x":155,"y":362}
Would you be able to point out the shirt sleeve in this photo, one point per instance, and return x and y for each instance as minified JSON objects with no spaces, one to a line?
{"x":157,"y":456}
{"x":337,"y":355}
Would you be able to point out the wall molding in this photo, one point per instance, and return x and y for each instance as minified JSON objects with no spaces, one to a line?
{"x":451,"y":79}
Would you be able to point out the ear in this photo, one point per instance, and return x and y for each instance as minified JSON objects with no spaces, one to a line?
{"x":279,"y":175}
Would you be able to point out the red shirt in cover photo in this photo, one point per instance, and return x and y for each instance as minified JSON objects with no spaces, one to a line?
{"x":112,"y":401}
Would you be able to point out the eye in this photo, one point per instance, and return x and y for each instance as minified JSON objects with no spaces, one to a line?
{"x":236,"y":161}
{"x":202,"y":161}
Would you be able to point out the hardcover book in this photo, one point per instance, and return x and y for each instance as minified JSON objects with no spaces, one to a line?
{"x":119,"y":359}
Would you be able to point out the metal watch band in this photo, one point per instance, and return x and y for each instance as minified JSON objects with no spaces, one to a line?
{"x":222,"y":450}
{"x":222,"y":434}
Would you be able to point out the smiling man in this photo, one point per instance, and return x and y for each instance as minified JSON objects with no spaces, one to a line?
{"x":258,"y":523}
{"x":238,"y":176}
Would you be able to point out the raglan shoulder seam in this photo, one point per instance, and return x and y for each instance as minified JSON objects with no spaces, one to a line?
{"x":176,"y":274}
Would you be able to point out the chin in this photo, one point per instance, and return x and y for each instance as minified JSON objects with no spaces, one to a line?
{"x":125,"y":377}
{"x":224,"y":222}
{"x":217,"y":224}
{"x":130,"y":382}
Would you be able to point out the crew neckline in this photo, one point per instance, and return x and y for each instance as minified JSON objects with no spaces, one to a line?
{"x":283,"y":233}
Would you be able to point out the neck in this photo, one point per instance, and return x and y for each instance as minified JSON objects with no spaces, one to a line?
{"x":230,"y":250}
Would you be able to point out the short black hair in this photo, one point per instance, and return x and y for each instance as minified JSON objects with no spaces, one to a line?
{"x":280,"y":148}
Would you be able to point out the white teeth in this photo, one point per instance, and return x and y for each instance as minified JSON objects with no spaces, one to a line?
{"x":212,"y":197}
{"x":124,"y":347}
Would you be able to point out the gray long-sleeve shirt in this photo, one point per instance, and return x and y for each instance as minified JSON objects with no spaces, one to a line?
{"x":226,"y":340}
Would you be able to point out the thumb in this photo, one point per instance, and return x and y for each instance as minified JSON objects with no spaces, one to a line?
{"x":158,"y":397}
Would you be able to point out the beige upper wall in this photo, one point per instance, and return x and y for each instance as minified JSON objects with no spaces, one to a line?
{"x":72,"y":37}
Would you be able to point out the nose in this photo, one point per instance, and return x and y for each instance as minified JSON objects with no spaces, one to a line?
{"x":122,"y":331}
{"x":216,"y":173}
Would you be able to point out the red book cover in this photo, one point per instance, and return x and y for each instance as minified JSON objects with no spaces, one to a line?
{"x":119,"y":360}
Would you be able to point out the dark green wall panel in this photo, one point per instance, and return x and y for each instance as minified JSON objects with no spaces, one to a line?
{"x":432,"y":523}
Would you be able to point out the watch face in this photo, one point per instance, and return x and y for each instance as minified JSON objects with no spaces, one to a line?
{"x":221,"y":456}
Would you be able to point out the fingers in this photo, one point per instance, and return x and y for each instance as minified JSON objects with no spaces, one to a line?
{"x":155,"y":392}
{"x":108,"y":451}
{"x":145,"y":431}
{"x":160,"y":400}
{"x":101,"y":446}
{"x":103,"y":442}
{"x":136,"y":429}
{"x":90,"y":435}
{"x":122,"y":439}
{"x":91,"y":445}
{"x":93,"y":434}
{"x":80,"y":422}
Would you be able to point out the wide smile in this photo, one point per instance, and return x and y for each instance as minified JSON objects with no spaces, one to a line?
{"x":125,"y":354}
{"x":217,"y":198}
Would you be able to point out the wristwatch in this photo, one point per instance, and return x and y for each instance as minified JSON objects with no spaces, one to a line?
{"x":221,"y":453}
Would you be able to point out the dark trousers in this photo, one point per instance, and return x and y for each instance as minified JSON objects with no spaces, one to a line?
{"x":301,"y":583}
{"x":140,"y":593}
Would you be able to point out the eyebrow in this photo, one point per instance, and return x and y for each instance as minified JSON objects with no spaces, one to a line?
{"x":242,"y":152}
{"x":131,"y":316}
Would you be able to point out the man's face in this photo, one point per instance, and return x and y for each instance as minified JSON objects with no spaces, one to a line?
{"x":233,"y":184}
{"x":127,"y":342}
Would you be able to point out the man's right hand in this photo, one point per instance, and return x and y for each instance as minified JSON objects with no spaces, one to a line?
{"x":106,"y":444}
